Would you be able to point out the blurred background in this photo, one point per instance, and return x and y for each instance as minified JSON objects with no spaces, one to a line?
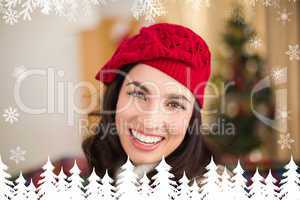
{"x":254,"y":45}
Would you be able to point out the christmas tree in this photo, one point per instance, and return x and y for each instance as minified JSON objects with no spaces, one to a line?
{"x":6,"y":190}
{"x":211,"y":183}
{"x":195,"y":190}
{"x":164,"y":186}
{"x":31,"y":191}
{"x":236,"y":75}
{"x":289,"y":185}
{"x":75,"y":186}
{"x":239,"y":185}
{"x":62,"y":184}
{"x":184,"y":188}
{"x":94,"y":189}
{"x":108,"y":188}
{"x":226,"y":185}
{"x":47,"y":184}
{"x":20,"y":188}
{"x":258,"y":187}
{"x":145,"y":190}
{"x":127,"y":184}
{"x":271,"y":188}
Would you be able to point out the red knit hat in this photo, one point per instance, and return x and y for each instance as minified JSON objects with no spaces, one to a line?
{"x":173,"y":49}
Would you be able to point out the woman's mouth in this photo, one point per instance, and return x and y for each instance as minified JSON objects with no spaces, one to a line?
{"x":145,"y":142}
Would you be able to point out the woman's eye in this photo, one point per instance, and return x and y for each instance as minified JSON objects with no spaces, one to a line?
{"x":176,"y":105}
{"x":138,"y":94}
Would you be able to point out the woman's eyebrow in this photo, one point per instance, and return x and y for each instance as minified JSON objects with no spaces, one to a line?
{"x":140,"y":85}
{"x":170,"y":96}
{"x":178,"y":96}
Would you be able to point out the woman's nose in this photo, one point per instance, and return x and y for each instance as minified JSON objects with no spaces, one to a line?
{"x":153,"y":122}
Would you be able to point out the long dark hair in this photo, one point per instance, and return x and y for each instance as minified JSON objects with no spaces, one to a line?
{"x":104,"y":151}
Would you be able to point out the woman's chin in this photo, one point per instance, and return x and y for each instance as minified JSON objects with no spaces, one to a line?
{"x":139,"y":158}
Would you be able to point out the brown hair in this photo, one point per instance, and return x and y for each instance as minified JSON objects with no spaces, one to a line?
{"x":104,"y":151}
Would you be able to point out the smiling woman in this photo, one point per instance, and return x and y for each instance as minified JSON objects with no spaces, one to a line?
{"x":155,"y":87}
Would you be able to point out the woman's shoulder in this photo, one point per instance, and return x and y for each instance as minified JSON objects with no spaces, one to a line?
{"x":220,"y":169}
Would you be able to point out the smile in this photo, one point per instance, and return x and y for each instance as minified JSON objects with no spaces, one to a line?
{"x":145,"y":142}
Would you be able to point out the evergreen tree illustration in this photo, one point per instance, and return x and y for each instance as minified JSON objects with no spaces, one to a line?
{"x":258,"y":187}
{"x":184,"y":190}
{"x":6,"y":186}
{"x":271,"y":188}
{"x":94,"y":187}
{"x":163,"y":186}
{"x":289,"y":185}
{"x":108,"y":191}
{"x":62,"y":184}
{"x":211,"y":182}
{"x":127,"y":183}
{"x":20,"y":188}
{"x":31,"y":191}
{"x":195,"y":191}
{"x":226,"y":185}
{"x":145,"y":189}
{"x":75,"y":186}
{"x":47,"y":183}
{"x":239,"y":190}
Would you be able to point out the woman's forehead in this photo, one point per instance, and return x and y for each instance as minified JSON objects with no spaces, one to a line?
{"x":155,"y":81}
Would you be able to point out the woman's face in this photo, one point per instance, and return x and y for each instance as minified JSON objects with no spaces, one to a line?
{"x":152,"y":115}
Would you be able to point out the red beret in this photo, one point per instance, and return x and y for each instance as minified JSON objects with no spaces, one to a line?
{"x":173,"y":49}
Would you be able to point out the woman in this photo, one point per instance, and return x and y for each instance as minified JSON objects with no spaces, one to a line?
{"x":155,"y":89}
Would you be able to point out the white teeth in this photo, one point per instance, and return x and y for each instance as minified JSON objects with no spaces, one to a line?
{"x":145,"y":139}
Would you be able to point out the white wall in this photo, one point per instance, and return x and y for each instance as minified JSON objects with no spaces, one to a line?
{"x":46,"y":41}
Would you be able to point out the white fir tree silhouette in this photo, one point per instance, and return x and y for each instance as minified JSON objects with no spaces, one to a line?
{"x":6,"y":190}
{"x":239,"y":183}
{"x":47,"y":183}
{"x":20,"y":188}
{"x":195,"y":191}
{"x":184,"y":190}
{"x":145,"y":189}
{"x":127,"y":183}
{"x":211,"y":183}
{"x":226,"y":185}
{"x":164,"y":187}
{"x":75,"y":186}
{"x":62,"y":184}
{"x":108,"y":192}
{"x":94,"y":187}
{"x":258,"y":187}
{"x":289,"y":185}
{"x":271,"y":188}
{"x":31,"y":191}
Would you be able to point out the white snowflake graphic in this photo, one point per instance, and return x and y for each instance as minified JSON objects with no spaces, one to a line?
{"x":18,"y":71}
{"x":196,"y":4}
{"x":10,"y":16}
{"x":279,"y":74}
{"x":285,"y":141}
{"x":11,"y":115}
{"x":148,"y":8}
{"x":267,"y":3}
{"x":293,"y":52}
{"x":23,"y":9}
{"x":17,"y":155}
{"x":251,"y":2}
{"x":2,"y":8}
{"x":255,"y":42}
{"x":284,"y":16}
